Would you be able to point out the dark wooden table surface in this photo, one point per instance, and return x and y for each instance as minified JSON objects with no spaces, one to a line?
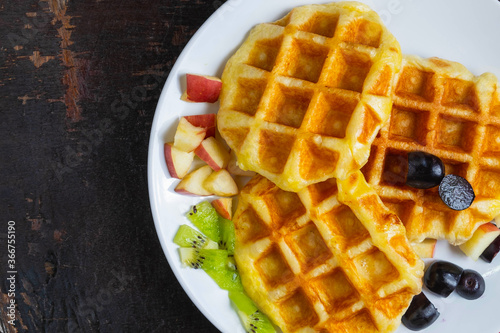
{"x":79,"y":83}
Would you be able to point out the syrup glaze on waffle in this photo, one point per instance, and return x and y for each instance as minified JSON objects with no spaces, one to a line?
{"x":304,"y":97}
{"x":323,"y":261}
{"x":443,"y":109}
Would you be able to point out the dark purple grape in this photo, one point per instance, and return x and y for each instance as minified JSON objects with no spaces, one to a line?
{"x":420,"y":314}
{"x":441,"y":277}
{"x":424,"y":170}
{"x":491,"y":251}
{"x":456,"y":192}
{"x":471,"y":285}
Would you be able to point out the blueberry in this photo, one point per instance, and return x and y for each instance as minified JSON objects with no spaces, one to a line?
{"x":424,"y":170}
{"x":456,"y":192}
{"x":471,"y":285}
{"x":420,"y":314}
{"x":441,"y":277}
{"x":491,"y":251}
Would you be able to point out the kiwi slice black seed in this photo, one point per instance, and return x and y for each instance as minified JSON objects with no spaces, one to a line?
{"x":189,"y":237}
{"x":227,"y":236}
{"x":456,"y":192}
{"x":253,"y":320}
{"x":205,"y":217}
{"x":216,"y":263}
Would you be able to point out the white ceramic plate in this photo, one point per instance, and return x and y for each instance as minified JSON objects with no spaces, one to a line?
{"x":461,"y":30}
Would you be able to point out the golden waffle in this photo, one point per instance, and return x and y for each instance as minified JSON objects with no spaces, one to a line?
{"x":304,"y":97}
{"x":325,"y":262}
{"x":443,"y":109}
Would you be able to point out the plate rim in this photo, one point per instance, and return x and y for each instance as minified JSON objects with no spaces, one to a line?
{"x":169,"y":83}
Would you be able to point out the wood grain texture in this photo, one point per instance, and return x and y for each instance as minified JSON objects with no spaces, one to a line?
{"x":79,"y":83}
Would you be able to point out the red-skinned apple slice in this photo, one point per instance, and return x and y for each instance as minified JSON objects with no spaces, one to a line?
{"x":178,"y":161}
{"x":221,"y":183}
{"x":213,"y":153}
{"x":224,"y":206}
{"x":425,"y":249}
{"x":207,"y":121}
{"x":187,"y":136}
{"x":193,"y":182}
{"x":202,"y":88}
{"x":482,"y":238}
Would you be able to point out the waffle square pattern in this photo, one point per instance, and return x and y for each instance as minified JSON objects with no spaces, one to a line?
{"x":440,"y":108}
{"x":304,"y":97}
{"x":331,"y":258}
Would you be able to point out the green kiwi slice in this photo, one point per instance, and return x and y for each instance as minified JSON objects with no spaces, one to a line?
{"x":189,"y":237}
{"x":227,"y":236}
{"x":216,"y":263}
{"x":205,"y":217}
{"x":253,"y":320}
